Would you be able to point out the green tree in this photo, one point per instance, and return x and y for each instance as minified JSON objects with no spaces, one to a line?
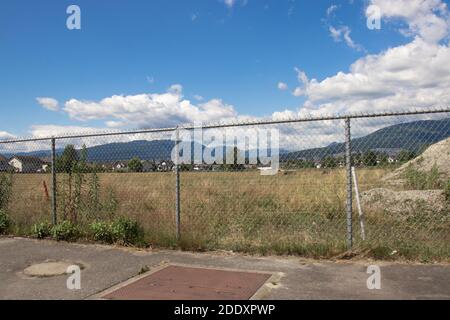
{"x":66,"y":163}
{"x":79,"y":195}
{"x":79,"y":170}
{"x":68,"y":159}
{"x":93,"y":203}
{"x":6,"y":181}
{"x":135,"y":165}
{"x":81,"y":165}
{"x":186,"y":167}
{"x":383,"y":159}
{"x":356,"y":159}
{"x":329,"y":162}
{"x":369,"y":158}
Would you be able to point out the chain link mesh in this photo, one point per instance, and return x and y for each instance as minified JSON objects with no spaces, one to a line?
{"x":402,"y":165}
{"x":403,"y":168}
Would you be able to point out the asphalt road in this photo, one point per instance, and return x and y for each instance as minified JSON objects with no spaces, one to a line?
{"x":295,"y":278}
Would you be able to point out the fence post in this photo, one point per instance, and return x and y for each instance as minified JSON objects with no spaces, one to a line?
{"x":54,"y":220}
{"x":177,"y":185}
{"x":358,"y":203}
{"x":348,"y":162}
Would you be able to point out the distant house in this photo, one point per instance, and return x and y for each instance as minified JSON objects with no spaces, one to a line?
{"x":391,"y":160}
{"x":165,"y":166}
{"x":119,"y":166}
{"x":28,"y":164}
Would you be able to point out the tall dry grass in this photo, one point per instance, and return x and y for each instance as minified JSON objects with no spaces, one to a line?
{"x":300,"y":212}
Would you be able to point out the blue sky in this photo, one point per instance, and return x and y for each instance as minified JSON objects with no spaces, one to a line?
{"x":234,"y":54}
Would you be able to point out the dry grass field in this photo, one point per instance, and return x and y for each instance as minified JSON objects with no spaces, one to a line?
{"x":301,"y":212}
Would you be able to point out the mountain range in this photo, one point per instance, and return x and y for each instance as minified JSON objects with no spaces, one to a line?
{"x":412,"y":136}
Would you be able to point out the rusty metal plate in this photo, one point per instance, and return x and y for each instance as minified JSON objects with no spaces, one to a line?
{"x":186,"y":283}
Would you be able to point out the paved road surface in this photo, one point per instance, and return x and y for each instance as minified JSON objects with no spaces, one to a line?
{"x":106,"y":266}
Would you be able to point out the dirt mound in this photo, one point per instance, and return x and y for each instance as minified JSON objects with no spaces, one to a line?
{"x":438,"y":154}
{"x":404,"y":202}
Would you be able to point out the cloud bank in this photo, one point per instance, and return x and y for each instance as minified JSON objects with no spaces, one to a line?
{"x":149,"y":110}
{"x":414,"y":75}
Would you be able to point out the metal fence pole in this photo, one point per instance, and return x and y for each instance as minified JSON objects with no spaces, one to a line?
{"x":54,"y":220}
{"x":177,"y":186}
{"x":348,"y":162}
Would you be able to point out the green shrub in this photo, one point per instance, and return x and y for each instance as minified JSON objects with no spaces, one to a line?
{"x":65,"y":231}
{"x":135,"y":165}
{"x":41,"y":230}
{"x":126,"y":231}
{"x":102,"y":231}
{"x":5,"y":190}
{"x":5,"y":222}
{"x":423,"y":180}
{"x":111,"y":203}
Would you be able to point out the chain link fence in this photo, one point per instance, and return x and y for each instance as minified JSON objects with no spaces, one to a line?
{"x":371,"y":183}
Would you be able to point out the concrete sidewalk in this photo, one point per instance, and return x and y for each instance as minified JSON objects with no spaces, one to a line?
{"x":106,"y":266}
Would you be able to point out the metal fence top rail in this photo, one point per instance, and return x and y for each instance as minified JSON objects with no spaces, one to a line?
{"x":233,"y":124}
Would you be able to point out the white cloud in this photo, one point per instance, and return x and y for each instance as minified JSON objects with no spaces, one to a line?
{"x":303,"y":80}
{"x":414,"y":75}
{"x":43,"y":131}
{"x":343,"y":33}
{"x":149,"y":110}
{"x":115,"y":124}
{"x":4,"y":135}
{"x":282,"y":86}
{"x":401,"y":75}
{"x":198,"y":97}
{"x":428,"y":19}
{"x":48,"y":103}
{"x":231,"y":3}
{"x":335,"y":34}
{"x":331,"y":9}
{"x":175,"y":89}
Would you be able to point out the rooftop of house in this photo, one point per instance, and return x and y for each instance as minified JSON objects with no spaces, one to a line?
{"x":29,"y":159}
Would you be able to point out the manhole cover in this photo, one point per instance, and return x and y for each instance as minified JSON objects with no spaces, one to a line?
{"x":185,"y":283}
{"x":47,"y":269}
